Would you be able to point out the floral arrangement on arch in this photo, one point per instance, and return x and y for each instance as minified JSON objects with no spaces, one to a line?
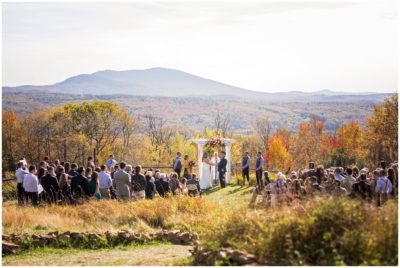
{"x":215,"y":142}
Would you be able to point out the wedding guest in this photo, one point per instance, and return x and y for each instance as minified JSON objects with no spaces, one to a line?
{"x":246,"y":168}
{"x":174,"y":183}
{"x":177,"y":164}
{"x":90,"y":163}
{"x":339,"y":190}
{"x":150,"y":187}
{"x":88,"y":172}
{"x":259,"y":169}
{"x":49,"y":183}
{"x":165,"y":183}
{"x":362,"y":187}
{"x":383,"y":187}
{"x":105,"y":182}
{"x":111,"y":162}
{"x":93,"y":184}
{"x":80,"y":183}
{"x":122,"y":182}
{"x":67,"y":167}
{"x":186,"y":166}
{"x":193,"y":186}
{"x":392,"y":178}
{"x":42,"y":172}
{"x":31,"y":184}
{"x":138,"y":184}
{"x":113,"y":170}
{"x":349,"y":180}
{"x":73,"y":171}
{"x":159,"y":184}
{"x":19,"y":174}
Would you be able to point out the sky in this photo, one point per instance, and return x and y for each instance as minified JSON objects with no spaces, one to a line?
{"x":268,"y":46}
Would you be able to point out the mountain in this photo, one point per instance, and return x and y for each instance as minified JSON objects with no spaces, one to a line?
{"x":174,"y":83}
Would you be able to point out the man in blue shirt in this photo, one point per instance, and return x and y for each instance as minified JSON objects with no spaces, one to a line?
{"x":259,"y":168}
{"x":111,"y":162}
{"x":246,"y":168}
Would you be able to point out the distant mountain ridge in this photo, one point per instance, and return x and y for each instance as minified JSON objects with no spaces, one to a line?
{"x":174,"y":83}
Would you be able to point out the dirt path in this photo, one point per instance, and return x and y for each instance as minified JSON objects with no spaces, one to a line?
{"x":151,"y":255}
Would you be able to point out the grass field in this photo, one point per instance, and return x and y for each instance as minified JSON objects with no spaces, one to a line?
{"x":321,"y":231}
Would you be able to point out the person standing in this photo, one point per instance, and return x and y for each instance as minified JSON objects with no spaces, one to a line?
{"x":105,"y":182}
{"x":259,"y":169}
{"x":111,"y":162}
{"x":50,"y":185}
{"x":383,"y":187}
{"x":80,"y":182}
{"x":246,"y":168}
{"x":138,"y":184}
{"x":177,"y":164}
{"x":20,"y":173}
{"x":122,"y":182}
{"x":222,"y":169}
{"x":31,"y":184}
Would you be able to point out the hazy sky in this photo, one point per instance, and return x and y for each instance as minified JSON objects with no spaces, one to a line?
{"x":263,"y":46}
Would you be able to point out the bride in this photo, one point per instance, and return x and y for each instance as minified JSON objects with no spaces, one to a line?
{"x":214,"y":170}
{"x":205,"y":180}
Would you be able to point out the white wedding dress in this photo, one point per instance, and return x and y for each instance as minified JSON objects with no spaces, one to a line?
{"x":214,"y":170}
{"x":205,"y":180}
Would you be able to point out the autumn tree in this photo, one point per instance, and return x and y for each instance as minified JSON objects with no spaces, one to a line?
{"x":10,"y":139}
{"x":350,"y":145}
{"x":381,"y":132}
{"x":278,"y":155}
{"x":263,"y":128}
{"x":222,"y":124}
{"x":307,"y":145}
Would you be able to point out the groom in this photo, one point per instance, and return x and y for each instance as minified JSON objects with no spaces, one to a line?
{"x":222,"y":168}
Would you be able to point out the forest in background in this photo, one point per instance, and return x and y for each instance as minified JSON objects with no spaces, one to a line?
{"x":71,"y":132}
{"x":196,"y":113}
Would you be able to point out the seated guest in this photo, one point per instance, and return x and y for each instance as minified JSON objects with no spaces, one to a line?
{"x":94,"y":186}
{"x":122,"y":182}
{"x":348,"y":180}
{"x":165,"y":183}
{"x":105,"y":182}
{"x":174,"y":184}
{"x":50,"y":185}
{"x":339,"y":190}
{"x":41,"y":173}
{"x":362,"y":187}
{"x":80,"y":182}
{"x":31,"y":184}
{"x":138,"y":184}
{"x":193,"y":186}
{"x":113,"y":170}
{"x":72,"y":172}
{"x":88,"y":172}
{"x":67,"y":167}
{"x":150,"y":186}
{"x":159,"y":184}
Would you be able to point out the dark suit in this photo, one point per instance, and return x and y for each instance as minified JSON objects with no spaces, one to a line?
{"x":82,"y":182}
{"x":222,"y":170}
{"x":50,"y":185}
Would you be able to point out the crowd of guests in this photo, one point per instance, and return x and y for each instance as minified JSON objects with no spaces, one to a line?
{"x":371,"y":185}
{"x":63,"y":182}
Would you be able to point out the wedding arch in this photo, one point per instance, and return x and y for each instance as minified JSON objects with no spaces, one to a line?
{"x":201,"y":143}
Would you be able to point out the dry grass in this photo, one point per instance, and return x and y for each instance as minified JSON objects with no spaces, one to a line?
{"x":174,"y":212}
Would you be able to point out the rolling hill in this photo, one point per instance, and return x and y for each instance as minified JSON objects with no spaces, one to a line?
{"x":174,"y":83}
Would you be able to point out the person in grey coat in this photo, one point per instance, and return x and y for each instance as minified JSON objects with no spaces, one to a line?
{"x":122,"y":182}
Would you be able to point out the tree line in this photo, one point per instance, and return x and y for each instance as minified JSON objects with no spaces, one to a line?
{"x":76,"y":130}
